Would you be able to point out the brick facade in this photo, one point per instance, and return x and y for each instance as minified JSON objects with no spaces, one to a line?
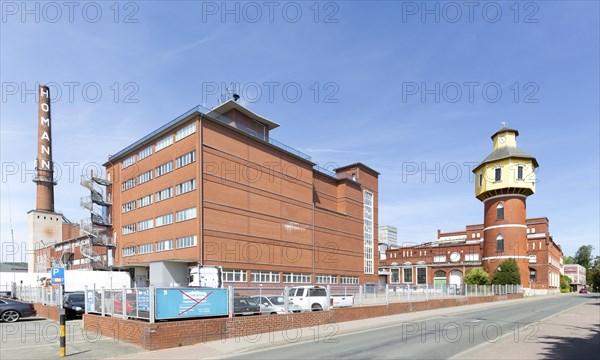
{"x":258,"y":207}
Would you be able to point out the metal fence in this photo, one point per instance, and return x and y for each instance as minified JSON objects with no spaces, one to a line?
{"x":46,"y":295}
{"x":146,"y":303}
{"x":126,"y":302}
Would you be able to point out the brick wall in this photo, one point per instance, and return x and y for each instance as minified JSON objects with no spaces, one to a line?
{"x":163,"y":335}
{"x":47,"y":311}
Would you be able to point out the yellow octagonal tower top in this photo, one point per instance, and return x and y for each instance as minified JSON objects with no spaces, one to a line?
{"x":507,"y":170}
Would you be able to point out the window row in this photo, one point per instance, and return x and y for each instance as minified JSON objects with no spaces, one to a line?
{"x":408,"y":275}
{"x":164,"y":245}
{"x":182,"y":215}
{"x":230,"y":275}
{"x":161,"y":195}
{"x":519,"y":176}
{"x":159,"y":145}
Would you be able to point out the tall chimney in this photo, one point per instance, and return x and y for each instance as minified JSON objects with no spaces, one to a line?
{"x":45,"y":169}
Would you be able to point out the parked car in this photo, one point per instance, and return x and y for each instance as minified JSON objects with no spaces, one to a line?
{"x":74,"y":304}
{"x":244,"y":305}
{"x":314,"y":298}
{"x":13,"y":310}
{"x":274,"y":304}
{"x":583,"y":291}
{"x":309,"y":298}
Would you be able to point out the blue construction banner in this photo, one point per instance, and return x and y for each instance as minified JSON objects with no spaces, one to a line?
{"x":177,"y":303}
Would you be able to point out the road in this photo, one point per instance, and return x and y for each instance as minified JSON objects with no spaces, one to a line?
{"x":435,"y":338}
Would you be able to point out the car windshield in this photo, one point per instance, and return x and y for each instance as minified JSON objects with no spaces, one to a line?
{"x":76,"y":297}
{"x":276,"y":300}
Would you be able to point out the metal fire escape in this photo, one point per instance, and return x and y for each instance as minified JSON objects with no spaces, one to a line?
{"x":96,"y":227}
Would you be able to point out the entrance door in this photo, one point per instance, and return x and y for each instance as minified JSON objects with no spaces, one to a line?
{"x":455,"y":278}
{"x":439,"y":278}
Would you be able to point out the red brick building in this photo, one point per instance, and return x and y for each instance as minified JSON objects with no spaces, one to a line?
{"x":213,"y":187}
{"x":504,"y":180}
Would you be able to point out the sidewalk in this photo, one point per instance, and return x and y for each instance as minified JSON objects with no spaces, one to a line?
{"x":573,"y":334}
{"x":231,"y":346}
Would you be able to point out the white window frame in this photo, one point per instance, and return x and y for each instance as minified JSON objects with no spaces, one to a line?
{"x":296,"y":278}
{"x":186,"y":214}
{"x":128,"y":162}
{"x":163,"y":169}
{"x":164,"y":245}
{"x":128,"y":206}
{"x":185,"y":131}
{"x":145,"y":201}
{"x":326,"y":279}
{"x":185,"y":187}
{"x":349,"y":280}
{"x":163,"y":143}
{"x":128,"y":229}
{"x":240,"y":276}
{"x":164,"y":220}
{"x":185,"y":159}
{"x":163,"y":194}
{"x":145,"y":177}
{"x":412,"y":275}
{"x":144,"y":153}
{"x":128,"y":184}
{"x":145,"y":225}
{"x":185,"y":242}
{"x":264,"y":277}
{"x":128,"y":251}
{"x":145,"y":249}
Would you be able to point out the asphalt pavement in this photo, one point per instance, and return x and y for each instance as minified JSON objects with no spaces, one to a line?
{"x":38,"y":338}
{"x":433,"y":334}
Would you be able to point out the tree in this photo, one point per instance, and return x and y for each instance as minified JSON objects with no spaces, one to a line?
{"x":593,"y":276}
{"x":477,"y":276}
{"x":507,"y":273}
{"x":565,"y":284}
{"x":568,"y":260}
{"x":583,"y":256}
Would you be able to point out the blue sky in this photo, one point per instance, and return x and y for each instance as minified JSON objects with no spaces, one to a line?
{"x":401,"y":88}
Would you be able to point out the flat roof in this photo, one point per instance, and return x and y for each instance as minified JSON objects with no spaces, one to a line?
{"x":230,"y":105}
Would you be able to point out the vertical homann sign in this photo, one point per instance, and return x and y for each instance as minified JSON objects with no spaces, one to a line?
{"x":44,"y":167}
{"x":45,"y":143}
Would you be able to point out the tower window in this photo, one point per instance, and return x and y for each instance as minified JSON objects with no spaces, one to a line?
{"x":500,"y":212}
{"x":499,"y":243}
{"x":480,"y":179}
{"x":498,"y":174}
{"x":520,"y":172}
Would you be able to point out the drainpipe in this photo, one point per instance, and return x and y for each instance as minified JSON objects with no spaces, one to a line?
{"x":313,"y":243}
{"x":201,"y":185}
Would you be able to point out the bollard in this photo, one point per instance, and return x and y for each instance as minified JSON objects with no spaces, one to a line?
{"x":63,"y":343}
{"x":387,"y":299}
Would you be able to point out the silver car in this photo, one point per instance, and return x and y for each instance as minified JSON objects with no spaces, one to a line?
{"x":273,"y":304}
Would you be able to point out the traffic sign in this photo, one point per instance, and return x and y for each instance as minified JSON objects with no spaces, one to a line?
{"x":58,"y":276}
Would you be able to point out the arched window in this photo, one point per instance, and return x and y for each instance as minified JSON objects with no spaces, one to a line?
{"x":499,"y":243}
{"x":440,"y":274}
{"x":500,"y":212}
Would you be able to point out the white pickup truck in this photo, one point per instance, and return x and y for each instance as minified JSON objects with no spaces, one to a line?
{"x":314,"y":298}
